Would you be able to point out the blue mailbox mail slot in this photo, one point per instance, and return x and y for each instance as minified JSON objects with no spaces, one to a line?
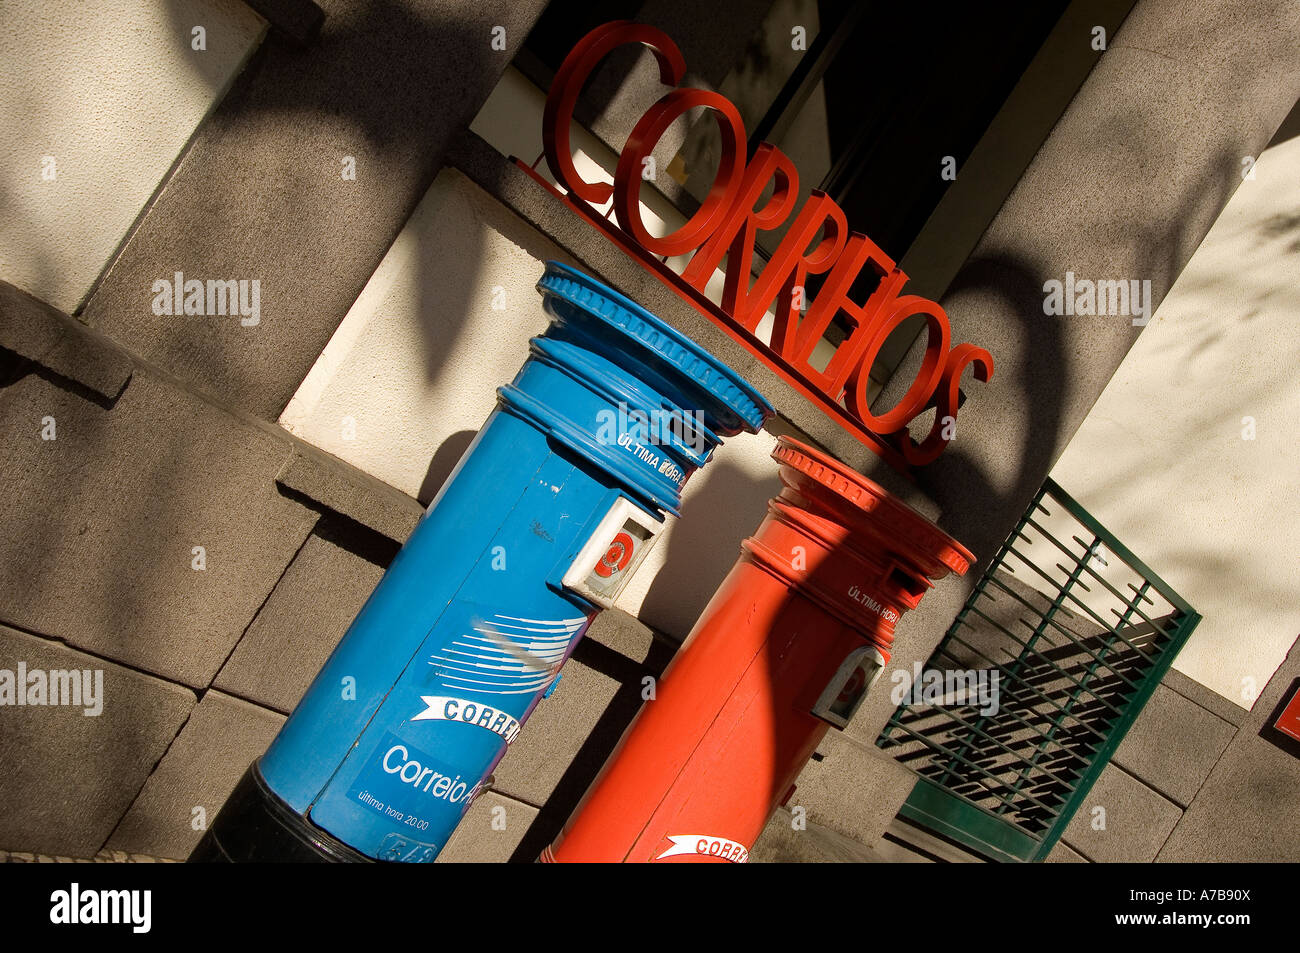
{"x":548,"y":514}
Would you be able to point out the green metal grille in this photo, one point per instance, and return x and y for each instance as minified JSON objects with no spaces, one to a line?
{"x":1078,"y":632}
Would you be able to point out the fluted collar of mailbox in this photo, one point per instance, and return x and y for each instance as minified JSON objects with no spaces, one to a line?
{"x":673,"y":348}
{"x":863,"y":495}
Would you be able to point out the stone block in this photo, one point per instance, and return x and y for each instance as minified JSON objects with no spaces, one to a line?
{"x":1063,"y":853}
{"x":782,"y":843}
{"x":1173,"y":745}
{"x":305,"y":617}
{"x":102,"y":523}
{"x":184,"y":793}
{"x":851,"y":789}
{"x":490,"y":832}
{"x":1137,"y":820}
{"x":69,"y":777}
{"x":63,"y":345}
{"x":339,"y":486}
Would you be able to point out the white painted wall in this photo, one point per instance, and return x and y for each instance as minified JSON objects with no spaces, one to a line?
{"x":415,"y":365}
{"x":442,"y":323}
{"x":111,"y":91}
{"x":1162,"y":460}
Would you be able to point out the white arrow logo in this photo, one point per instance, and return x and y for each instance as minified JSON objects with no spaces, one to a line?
{"x":706,"y":846}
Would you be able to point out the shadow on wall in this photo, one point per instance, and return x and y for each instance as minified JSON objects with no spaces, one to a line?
{"x":162,"y":488}
{"x":385,"y":130}
{"x":1036,"y":356}
{"x":462,"y":279}
{"x":443,"y":463}
{"x":168,"y":475}
{"x":600,"y":741}
{"x":728,"y":505}
{"x":1277,"y":236}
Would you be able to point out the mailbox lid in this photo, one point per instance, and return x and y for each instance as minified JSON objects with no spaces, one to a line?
{"x":867,"y":507}
{"x":672,"y":360}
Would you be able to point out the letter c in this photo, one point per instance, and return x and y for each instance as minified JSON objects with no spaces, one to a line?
{"x":566,"y":87}
{"x":449,"y":712}
{"x":389,"y":754}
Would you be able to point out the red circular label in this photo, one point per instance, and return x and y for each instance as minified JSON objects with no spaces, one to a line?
{"x":616,"y":557}
{"x":852,"y":685}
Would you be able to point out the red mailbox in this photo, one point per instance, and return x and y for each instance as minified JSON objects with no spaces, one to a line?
{"x":789,"y":644}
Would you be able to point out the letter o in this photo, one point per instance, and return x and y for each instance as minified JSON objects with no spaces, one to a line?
{"x":645,"y":136}
{"x":410,"y":764}
{"x":927,"y":378}
{"x":468,"y":712}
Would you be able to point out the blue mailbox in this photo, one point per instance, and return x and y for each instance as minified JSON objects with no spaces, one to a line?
{"x":541,"y":524}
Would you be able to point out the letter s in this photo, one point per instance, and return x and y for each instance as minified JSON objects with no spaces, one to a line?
{"x":949,"y":396}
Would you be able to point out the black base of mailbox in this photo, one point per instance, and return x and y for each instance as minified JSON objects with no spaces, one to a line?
{"x":256,"y":826}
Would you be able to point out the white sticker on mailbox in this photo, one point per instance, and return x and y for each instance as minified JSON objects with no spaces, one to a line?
{"x":706,"y":845}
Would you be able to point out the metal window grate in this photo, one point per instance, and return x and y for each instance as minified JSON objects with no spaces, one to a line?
{"x":1078,"y":632}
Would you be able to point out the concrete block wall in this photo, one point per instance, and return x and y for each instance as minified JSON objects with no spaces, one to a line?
{"x":1196,"y":779}
{"x":1246,"y":809}
{"x":1154,"y":776}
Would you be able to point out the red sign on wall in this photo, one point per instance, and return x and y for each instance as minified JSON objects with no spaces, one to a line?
{"x":726,"y":225}
{"x":1289,"y":721}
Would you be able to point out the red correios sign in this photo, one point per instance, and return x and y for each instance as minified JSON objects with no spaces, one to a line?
{"x":727,"y":224}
